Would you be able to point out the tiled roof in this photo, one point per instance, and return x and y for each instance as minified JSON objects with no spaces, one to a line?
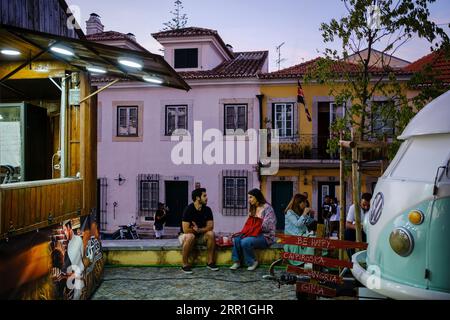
{"x":113,"y":35}
{"x":300,"y":70}
{"x":438,"y":61}
{"x":244,"y":65}
{"x":192,"y":32}
{"x":185,"y":32}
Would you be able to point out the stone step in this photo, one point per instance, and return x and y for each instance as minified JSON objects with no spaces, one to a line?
{"x":168,"y":252}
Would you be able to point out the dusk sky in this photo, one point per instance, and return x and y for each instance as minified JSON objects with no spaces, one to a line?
{"x":248,"y":25}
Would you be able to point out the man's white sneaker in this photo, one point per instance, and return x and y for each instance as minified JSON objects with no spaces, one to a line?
{"x":235,"y":266}
{"x":253,"y":266}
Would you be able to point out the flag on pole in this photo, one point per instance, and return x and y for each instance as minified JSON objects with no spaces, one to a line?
{"x":301,"y":99}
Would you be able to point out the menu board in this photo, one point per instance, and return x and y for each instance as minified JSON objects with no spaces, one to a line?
{"x":10,"y":144}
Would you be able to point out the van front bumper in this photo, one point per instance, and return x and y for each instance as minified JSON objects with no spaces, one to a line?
{"x":390,"y":288}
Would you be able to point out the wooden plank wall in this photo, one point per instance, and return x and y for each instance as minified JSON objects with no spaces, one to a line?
{"x":88,"y":145}
{"x":29,"y":208}
{"x":47,"y":16}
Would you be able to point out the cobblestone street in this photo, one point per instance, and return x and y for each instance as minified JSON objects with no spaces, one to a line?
{"x":203,"y":284}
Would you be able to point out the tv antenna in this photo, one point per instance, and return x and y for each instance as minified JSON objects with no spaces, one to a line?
{"x":279,"y":60}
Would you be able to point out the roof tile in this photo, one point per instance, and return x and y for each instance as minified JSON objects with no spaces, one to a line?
{"x":244,"y":65}
{"x":300,"y":70}
{"x":438,"y":61}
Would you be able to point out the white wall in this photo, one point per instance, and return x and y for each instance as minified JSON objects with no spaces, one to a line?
{"x":209,"y":56}
{"x":153,"y":154}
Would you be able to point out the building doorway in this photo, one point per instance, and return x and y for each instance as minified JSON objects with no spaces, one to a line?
{"x":177,"y":198}
{"x":282,"y":193}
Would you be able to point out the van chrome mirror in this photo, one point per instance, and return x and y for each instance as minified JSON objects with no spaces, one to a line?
{"x":447,"y":170}
{"x":437,"y":178}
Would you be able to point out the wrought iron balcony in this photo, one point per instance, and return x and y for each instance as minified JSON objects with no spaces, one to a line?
{"x":306,"y":146}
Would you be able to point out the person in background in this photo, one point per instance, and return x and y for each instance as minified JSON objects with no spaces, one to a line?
{"x":326,"y":211}
{"x":160,"y":220}
{"x":297,"y":219}
{"x":257,"y":233}
{"x":305,"y":194}
{"x":335,"y":218}
{"x":350,"y":230}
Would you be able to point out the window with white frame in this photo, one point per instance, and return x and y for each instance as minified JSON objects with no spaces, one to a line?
{"x":382,"y":119}
{"x":127,"y":121}
{"x":176,"y":118}
{"x":149,"y":195}
{"x":236,"y":117}
{"x":283,"y":119}
{"x":235,"y":192}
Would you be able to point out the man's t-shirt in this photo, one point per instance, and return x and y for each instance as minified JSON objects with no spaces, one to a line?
{"x":351,"y":215}
{"x":191,"y":214}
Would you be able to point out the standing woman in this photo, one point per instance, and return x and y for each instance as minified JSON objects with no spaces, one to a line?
{"x":257,"y":233}
{"x":297,"y":219}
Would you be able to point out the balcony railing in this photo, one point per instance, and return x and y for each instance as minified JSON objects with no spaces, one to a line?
{"x":306,"y":146}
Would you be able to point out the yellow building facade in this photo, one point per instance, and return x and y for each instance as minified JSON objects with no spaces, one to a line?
{"x":305,"y":164}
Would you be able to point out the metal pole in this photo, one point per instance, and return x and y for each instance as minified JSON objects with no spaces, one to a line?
{"x":62,"y":130}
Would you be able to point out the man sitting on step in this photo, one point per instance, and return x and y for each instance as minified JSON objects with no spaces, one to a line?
{"x":198,"y":226}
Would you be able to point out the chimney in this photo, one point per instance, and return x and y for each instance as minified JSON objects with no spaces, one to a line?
{"x":131,"y":36}
{"x":94,"y":25}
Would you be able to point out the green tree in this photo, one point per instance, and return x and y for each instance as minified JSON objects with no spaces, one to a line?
{"x":179,"y":19}
{"x":359,"y":72}
{"x":386,"y":25}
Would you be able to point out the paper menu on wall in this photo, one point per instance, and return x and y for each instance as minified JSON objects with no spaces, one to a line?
{"x":10,"y":144}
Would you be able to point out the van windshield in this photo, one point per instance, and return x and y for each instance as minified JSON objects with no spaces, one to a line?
{"x":422,"y":158}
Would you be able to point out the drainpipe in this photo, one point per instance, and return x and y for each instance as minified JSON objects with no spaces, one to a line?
{"x":261,"y":126}
{"x":260,"y":100}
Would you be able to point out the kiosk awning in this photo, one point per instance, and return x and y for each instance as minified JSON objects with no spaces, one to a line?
{"x":27,"y":50}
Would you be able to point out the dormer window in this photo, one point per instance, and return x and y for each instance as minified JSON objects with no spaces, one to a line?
{"x":186,"y":58}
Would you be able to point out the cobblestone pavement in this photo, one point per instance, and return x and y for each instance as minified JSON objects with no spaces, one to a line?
{"x":203,"y":284}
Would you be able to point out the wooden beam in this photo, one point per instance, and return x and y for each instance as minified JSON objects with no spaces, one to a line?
{"x":342,"y":196}
{"x":362,"y":144}
{"x":320,"y":276}
{"x":316,"y":260}
{"x":371,"y":144}
{"x":320,"y":243}
{"x":315,"y":289}
{"x":347,"y":144}
{"x":21,"y":66}
{"x":99,"y":90}
{"x":356,"y":195}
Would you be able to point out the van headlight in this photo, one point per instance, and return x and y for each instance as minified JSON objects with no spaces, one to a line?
{"x":401,"y":242}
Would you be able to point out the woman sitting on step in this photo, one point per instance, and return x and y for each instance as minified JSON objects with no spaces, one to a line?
{"x":257,"y":233}
{"x":298,"y":222}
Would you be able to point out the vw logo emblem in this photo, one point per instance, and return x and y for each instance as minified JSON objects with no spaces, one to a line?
{"x":377,"y":206}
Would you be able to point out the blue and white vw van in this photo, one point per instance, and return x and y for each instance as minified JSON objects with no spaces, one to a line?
{"x":408,"y":229}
